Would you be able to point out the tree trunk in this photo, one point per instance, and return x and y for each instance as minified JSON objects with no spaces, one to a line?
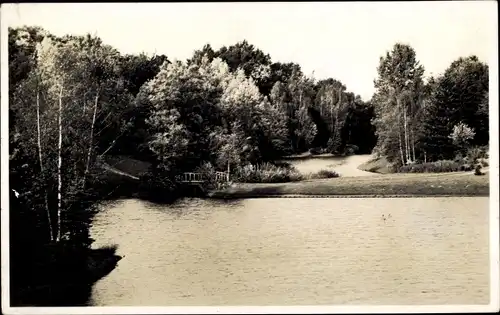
{"x":84,"y":102}
{"x":413,"y":144}
{"x":111,"y":145}
{"x":49,"y":220}
{"x":331,"y":115}
{"x":399,"y":133}
{"x":59,"y":166}
{"x":89,"y":154}
{"x":401,"y":147}
{"x":407,"y":141}
{"x":299,"y":120}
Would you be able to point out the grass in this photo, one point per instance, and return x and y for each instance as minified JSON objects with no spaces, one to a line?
{"x":128,"y":165}
{"x":308,"y":155}
{"x":444,"y":184}
{"x":377,"y":165}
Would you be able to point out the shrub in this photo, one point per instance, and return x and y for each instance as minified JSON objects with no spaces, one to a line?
{"x":316,"y":151}
{"x":158,"y":186}
{"x":283,"y":164}
{"x":476,"y":153}
{"x":351,"y":149}
{"x":459,"y":158}
{"x":323,"y":174}
{"x":477,"y":170}
{"x":435,"y":167}
{"x":266,"y":173}
{"x":208,"y":172}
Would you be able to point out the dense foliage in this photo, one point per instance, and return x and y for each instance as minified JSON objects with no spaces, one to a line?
{"x":419,"y":120}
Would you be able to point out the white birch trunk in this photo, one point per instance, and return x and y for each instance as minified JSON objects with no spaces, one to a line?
{"x":59,"y":166}
{"x":399,"y":133}
{"x":413,"y":144}
{"x":89,"y":154}
{"x":299,"y":121}
{"x":331,"y":115}
{"x":51,"y":232}
{"x":401,"y":147}
{"x":407,"y":143}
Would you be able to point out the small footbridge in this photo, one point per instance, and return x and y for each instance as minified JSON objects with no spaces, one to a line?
{"x":202,"y":180}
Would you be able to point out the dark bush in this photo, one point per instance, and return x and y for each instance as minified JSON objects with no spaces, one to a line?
{"x":477,"y":170}
{"x":435,"y":167}
{"x":323,"y":174}
{"x":315,"y":151}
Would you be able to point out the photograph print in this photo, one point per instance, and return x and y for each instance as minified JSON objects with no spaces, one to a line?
{"x":249,"y":157}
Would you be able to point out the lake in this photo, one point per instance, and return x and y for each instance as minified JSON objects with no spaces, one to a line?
{"x":296,"y":252}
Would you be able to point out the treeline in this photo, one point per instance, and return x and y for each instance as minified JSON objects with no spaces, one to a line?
{"x":441,"y":118}
{"x":75,"y":100}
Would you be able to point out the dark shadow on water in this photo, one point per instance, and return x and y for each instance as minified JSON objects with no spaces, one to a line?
{"x":194,"y":205}
{"x":61,"y":276}
{"x":248,"y":192}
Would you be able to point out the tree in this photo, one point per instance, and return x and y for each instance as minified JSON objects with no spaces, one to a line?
{"x":334,"y":103}
{"x":462,"y":135}
{"x":67,"y":100}
{"x":198,"y":55}
{"x":22,"y":50}
{"x":192,"y":93}
{"x":138,"y":69}
{"x":277,"y":72}
{"x":397,"y":101}
{"x":243,"y":106}
{"x":459,"y":96}
{"x":253,"y":61}
{"x":360,"y":131}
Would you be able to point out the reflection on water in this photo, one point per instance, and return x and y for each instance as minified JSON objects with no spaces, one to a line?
{"x":296,"y":252}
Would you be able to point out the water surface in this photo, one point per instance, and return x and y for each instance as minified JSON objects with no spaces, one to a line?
{"x":296,"y":252}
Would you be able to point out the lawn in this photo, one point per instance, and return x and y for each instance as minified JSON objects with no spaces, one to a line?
{"x":393,"y":185}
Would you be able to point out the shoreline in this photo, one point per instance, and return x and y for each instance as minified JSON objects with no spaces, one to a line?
{"x":298,"y":196}
{"x":384,"y":186}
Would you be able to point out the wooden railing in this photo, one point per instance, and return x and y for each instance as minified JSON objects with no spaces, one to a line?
{"x":190,"y":177}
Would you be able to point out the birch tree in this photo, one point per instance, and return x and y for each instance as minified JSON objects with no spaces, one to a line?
{"x":399,"y":76}
{"x":81,"y":94}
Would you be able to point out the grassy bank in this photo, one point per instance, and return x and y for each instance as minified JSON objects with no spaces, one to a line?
{"x":395,"y":184}
{"x":378,"y":165}
{"x":444,"y":184}
{"x":308,"y":155}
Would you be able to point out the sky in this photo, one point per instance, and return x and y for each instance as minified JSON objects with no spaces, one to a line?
{"x":342,"y":40}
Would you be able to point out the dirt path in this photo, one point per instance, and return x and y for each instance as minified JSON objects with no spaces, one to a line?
{"x":345,"y":166}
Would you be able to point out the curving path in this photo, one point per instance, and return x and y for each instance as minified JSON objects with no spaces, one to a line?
{"x":345,"y":166}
